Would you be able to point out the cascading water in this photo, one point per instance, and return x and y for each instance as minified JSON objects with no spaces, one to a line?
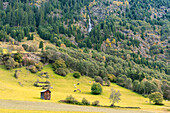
{"x":90,"y":25}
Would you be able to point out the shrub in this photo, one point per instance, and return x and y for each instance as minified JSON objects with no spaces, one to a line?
{"x":17,"y":65}
{"x":105,"y":79}
{"x":27,"y":62}
{"x":108,"y":83}
{"x":32,"y":49}
{"x":10,"y":63}
{"x":78,"y":103}
{"x":62,"y":71}
{"x":18,"y":57}
{"x":95,"y":103}
{"x":99,"y":79}
{"x":85,"y":102}
{"x":59,"y":63}
{"x":70,"y":99}
{"x":156,"y":97}
{"x":96,"y":88}
{"x":76,"y":75}
{"x":39,"y":66}
{"x":33,"y":69}
{"x":25,"y":46}
{"x":111,"y":77}
{"x":120,"y":81}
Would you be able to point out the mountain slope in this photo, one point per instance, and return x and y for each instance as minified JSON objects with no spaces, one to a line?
{"x":64,"y":86}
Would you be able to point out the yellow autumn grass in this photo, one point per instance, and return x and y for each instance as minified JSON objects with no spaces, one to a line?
{"x":64,"y":86}
{"x":38,"y":111}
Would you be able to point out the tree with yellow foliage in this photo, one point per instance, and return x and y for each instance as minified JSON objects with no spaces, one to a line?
{"x":126,"y":3}
{"x":107,"y":41}
{"x":104,"y":58}
{"x":113,"y":41}
{"x":110,"y":45}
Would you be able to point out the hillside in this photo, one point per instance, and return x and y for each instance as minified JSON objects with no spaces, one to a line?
{"x":119,"y":43}
{"x":64,"y":86}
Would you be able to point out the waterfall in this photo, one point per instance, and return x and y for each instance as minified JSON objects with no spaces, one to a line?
{"x":90,"y":25}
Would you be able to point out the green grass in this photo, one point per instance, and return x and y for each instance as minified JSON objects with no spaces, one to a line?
{"x":64,"y":86}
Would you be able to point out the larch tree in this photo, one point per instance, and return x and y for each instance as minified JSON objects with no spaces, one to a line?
{"x":114,"y":97}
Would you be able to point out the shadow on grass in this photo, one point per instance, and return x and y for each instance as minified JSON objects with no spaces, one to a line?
{"x":89,"y":93}
{"x":79,"y":103}
{"x":37,"y":98}
{"x":147,"y":103}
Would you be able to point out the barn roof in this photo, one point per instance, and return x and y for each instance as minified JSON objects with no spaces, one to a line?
{"x":45,"y":90}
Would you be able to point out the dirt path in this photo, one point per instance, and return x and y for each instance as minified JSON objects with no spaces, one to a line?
{"x":47,"y":106}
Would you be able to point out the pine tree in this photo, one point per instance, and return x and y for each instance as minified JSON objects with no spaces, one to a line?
{"x":32,"y":37}
{"x":19,"y":37}
{"x":1,"y":5}
{"x":25,"y":20}
{"x":41,"y":44}
{"x":142,"y":36}
{"x":8,"y":18}
{"x":89,"y":44}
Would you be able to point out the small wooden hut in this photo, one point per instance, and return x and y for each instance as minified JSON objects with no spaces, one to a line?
{"x":46,"y":94}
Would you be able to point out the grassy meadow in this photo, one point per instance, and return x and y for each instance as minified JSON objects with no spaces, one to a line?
{"x":37,"y":111}
{"x":64,"y":86}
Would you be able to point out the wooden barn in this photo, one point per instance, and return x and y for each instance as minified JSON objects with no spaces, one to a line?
{"x":46,"y":94}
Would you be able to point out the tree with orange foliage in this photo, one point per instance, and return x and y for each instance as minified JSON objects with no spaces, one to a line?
{"x":62,"y":45}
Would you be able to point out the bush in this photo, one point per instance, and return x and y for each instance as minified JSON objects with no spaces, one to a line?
{"x":105,"y":79}
{"x":39,"y":66}
{"x":156,"y":97}
{"x":27,"y":62}
{"x":62,"y":71}
{"x":18,"y":57}
{"x":25,"y":46}
{"x":32,"y":49}
{"x":33,"y":69}
{"x":120,"y":81}
{"x":85,"y":102}
{"x":99,"y":79}
{"x":96,"y":88}
{"x":59,"y":63}
{"x":70,"y":99}
{"x":111,"y":77}
{"x":10,"y":63}
{"x":95,"y":103}
{"x":108,"y":83}
{"x":76,"y":75}
{"x":145,"y":96}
